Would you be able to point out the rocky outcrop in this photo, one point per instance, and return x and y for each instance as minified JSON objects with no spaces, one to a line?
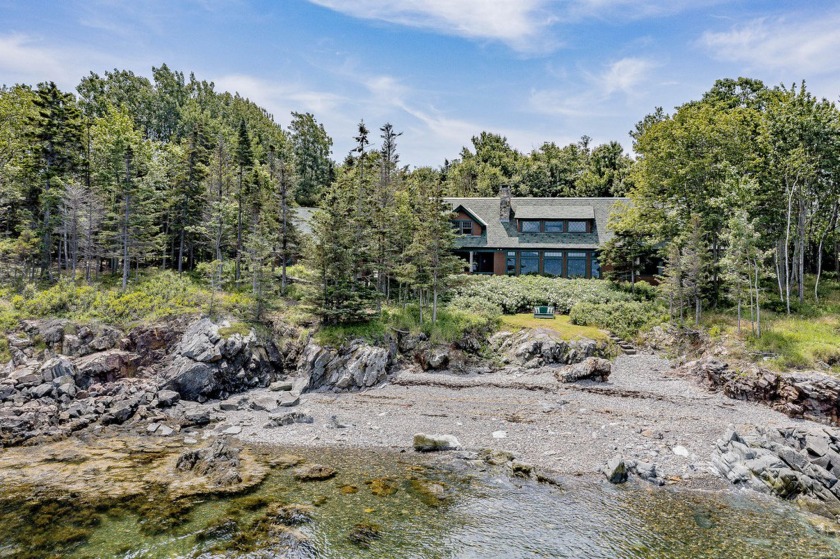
{"x":791,"y":463}
{"x":355,"y":366}
{"x":591,"y":368}
{"x":208,"y":365}
{"x":532,"y":349}
{"x":218,"y":462}
{"x":110,"y":379}
{"x":811,"y":396}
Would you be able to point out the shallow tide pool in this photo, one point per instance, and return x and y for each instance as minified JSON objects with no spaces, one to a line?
{"x":388,"y":504}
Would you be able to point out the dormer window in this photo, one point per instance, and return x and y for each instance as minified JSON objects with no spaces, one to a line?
{"x":530,"y":226}
{"x":578,"y":227}
{"x":463,"y":226}
{"x":554,"y":226}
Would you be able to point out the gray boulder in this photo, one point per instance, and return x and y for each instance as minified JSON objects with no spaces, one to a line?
{"x":790,"y":463}
{"x":288,"y":418}
{"x":615,"y":470}
{"x":352,"y":367}
{"x":167,"y":398}
{"x":591,"y":368}
{"x":431,"y":443}
{"x":57,"y":367}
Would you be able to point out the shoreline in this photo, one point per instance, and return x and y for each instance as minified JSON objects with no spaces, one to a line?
{"x":644,"y":412}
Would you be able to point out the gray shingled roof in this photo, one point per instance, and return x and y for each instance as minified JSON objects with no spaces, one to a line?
{"x":504,"y":235}
{"x":550,"y":211}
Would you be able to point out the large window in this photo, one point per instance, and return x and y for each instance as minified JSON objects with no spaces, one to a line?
{"x":554,"y":227}
{"x":529,"y":262}
{"x":510,"y":263}
{"x":530,"y":226}
{"x":553,"y":264}
{"x":462,"y":226}
{"x":596,"y":267}
{"x":576,"y":264}
{"x":577,"y":226}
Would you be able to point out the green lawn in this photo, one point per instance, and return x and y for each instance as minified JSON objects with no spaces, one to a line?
{"x":807,"y":339}
{"x":559,"y":324}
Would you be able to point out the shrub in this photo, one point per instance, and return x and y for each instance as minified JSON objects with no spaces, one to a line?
{"x":521,"y":294}
{"x":623,"y":318}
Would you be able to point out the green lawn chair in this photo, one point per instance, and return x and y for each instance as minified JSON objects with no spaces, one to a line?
{"x":544,"y":312}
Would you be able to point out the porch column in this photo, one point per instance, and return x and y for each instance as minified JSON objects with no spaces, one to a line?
{"x":471,"y":261}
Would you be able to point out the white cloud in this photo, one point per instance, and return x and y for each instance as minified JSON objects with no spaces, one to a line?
{"x":519,"y":23}
{"x":24,"y":60}
{"x":280,"y":98}
{"x":783,"y":44}
{"x":625,"y":75}
{"x":596,"y":94}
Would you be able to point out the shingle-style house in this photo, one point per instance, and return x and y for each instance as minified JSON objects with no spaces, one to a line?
{"x":517,"y":236}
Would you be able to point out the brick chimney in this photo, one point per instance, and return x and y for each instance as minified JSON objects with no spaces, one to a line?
{"x":504,"y":204}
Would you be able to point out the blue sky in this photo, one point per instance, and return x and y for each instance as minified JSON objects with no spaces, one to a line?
{"x":440,"y":71}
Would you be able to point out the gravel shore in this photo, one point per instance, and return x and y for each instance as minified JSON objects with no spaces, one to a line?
{"x":644,"y":412}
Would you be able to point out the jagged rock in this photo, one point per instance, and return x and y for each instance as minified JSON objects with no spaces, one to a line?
{"x":352,"y":367}
{"x":42,"y":390}
{"x":288,"y":418}
{"x":790,"y":463}
{"x":615,"y":470}
{"x":219,"y":462}
{"x":645,"y":471}
{"x":263,"y":402}
{"x":206,"y":365}
{"x":540,"y":347}
{"x":7,"y":391}
{"x":807,"y":395}
{"x":591,"y":368}
{"x":106,"y":366}
{"x":433,"y":359}
{"x":289,"y":399}
{"x":409,"y":342}
{"x":281,"y":386}
{"x":192,"y":379}
{"x":57,"y":367}
{"x":167,"y":398}
{"x":108,"y":338}
{"x":197,"y":416}
{"x":120,"y":413}
{"x":430,"y":443}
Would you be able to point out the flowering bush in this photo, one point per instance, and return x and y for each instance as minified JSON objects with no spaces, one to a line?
{"x":523,"y":293}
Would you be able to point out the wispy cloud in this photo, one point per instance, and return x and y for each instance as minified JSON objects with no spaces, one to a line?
{"x":27,"y":59}
{"x":520,"y":23}
{"x":785,"y":43}
{"x":281,"y":98}
{"x":595,"y":93}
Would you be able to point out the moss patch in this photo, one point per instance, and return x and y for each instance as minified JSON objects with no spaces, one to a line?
{"x":236,"y":328}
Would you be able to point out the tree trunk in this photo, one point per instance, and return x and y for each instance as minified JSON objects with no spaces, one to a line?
{"x":239,"y":229}
{"x":787,"y":245}
{"x":127,"y":202}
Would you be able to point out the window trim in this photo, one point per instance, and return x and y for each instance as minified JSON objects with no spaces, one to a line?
{"x":458,"y":225}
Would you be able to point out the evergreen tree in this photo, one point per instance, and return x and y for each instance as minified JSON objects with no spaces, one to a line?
{"x":244,"y":160}
{"x":57,"y":138}
{"x":313,"y":167}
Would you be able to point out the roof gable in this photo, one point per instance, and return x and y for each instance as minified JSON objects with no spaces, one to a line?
{"x":505,"y":236}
